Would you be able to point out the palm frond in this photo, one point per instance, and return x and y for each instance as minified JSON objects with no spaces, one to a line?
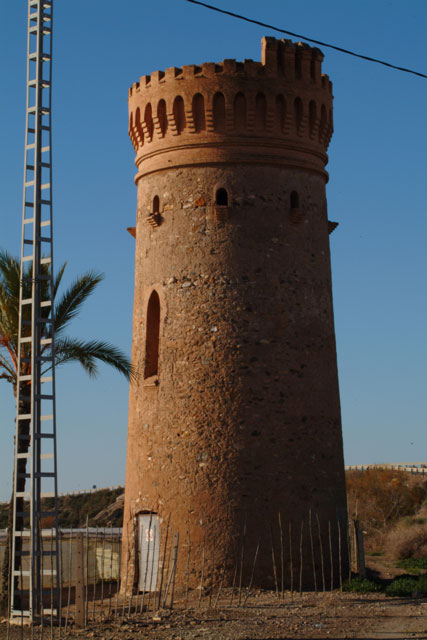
{"x":70,"y":303}
{"x":88,"y":353}
{"x":8,"y":367}
{"x":58,"y":278}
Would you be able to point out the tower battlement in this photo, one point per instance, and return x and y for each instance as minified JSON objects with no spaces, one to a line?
{"x":280,"y":103}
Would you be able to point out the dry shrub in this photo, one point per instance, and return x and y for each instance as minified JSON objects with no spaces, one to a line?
{"x":407,"y":540}
{"x":380,"y":497}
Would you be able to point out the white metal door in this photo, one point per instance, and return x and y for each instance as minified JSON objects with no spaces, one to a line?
{"x":149,"y":544}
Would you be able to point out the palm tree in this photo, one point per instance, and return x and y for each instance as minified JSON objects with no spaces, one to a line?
{"x":67,"y":349}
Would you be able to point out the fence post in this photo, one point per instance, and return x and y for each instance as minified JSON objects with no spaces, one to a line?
{"x":359,"y":549}
{"x":80,"y":599}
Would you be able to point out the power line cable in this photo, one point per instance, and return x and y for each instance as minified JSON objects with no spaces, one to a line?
{"x":297,"y":35}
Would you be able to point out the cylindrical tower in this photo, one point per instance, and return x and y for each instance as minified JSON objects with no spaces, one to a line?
{"x":235,"y":417}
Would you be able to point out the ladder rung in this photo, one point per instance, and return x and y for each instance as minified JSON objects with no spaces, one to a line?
{"x":27,"y":258}
{"x":23,"y":534}
{"x":46,"y":341}
{"x":31,"y":109}
{"x":27,"y":301}
{"x":45,"y":110}
{"x":45,"y":239}
{"x":27,"y":339}
{"x":47,"y":494}
{"x":45,"y":223}
{"x":44,"y":396}
{"x":38,"y":474}
{"x":18,"y":572}
{"x":45,"y":260}
{"x":18,"y":613}
{"x":50,"y":612}
{"x":29,"y":167}
{"x":33,"y":29}
{"x":21,"y":494}
{"x":31,"y":130}
{"x":46,"y":456}
{"x":24,"y":437}
{"x":30,"y":183}
{"x":24,"y":416}
{"x":46,"y":303}
{"x":28,"y":242}
{"x":48,"y":416}
{"x":23,"y":455}
{"x":30,"y":146}
{"x":28,"y":220}
{"x":46,"y":185}
{"x":45,"y":379}
{"x":39,"y":436}
{"x":44,"y":359}
{"x":48,"y":572}
{"x":29,"y":204}
{"x":46,"y":165}
{"x":23,"y":378}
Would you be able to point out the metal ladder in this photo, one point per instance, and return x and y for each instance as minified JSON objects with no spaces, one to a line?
{"x":35,"y":468}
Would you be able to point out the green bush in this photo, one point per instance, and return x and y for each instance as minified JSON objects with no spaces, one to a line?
{"x":362,"y":585}
{"x":402,"y":587}
{"x":407,"y":586}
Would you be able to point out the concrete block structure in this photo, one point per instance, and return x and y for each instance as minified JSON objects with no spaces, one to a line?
{"x":235,"y":417}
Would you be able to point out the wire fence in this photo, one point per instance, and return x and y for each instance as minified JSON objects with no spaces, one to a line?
{"x":102,"y":581}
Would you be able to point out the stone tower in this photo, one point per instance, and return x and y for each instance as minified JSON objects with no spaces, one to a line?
{"x":236,"y":415}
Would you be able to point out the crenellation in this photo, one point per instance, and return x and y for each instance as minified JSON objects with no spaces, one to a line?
{"x":208,"y":69}
{"x":229,"y":65}
{"x":251,"y":67}
{"x":189,"y":70}
{"x":270,"y":55}
{"x":305,"y":55}
{"x":172,"y":72}
{"x":317,"y":59}
{"x":156,"y":76}
{"x":288,"y":52}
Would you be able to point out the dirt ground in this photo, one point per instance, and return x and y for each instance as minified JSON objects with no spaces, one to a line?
{"x":264,"y":618}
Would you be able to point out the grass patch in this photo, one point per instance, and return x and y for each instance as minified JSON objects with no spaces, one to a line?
{"x":414,"y":565}
{"x":362,"y":585}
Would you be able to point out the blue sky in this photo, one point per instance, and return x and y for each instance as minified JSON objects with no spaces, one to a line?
{"x":376,"y":193}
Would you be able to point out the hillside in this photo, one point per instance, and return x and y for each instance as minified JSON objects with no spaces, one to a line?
{"x":102,"y":508}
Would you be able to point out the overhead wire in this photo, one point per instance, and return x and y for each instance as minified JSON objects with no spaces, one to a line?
{"x":297,"y":35}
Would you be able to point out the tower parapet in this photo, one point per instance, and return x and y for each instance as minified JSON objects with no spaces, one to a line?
{"x":277,"y":111}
